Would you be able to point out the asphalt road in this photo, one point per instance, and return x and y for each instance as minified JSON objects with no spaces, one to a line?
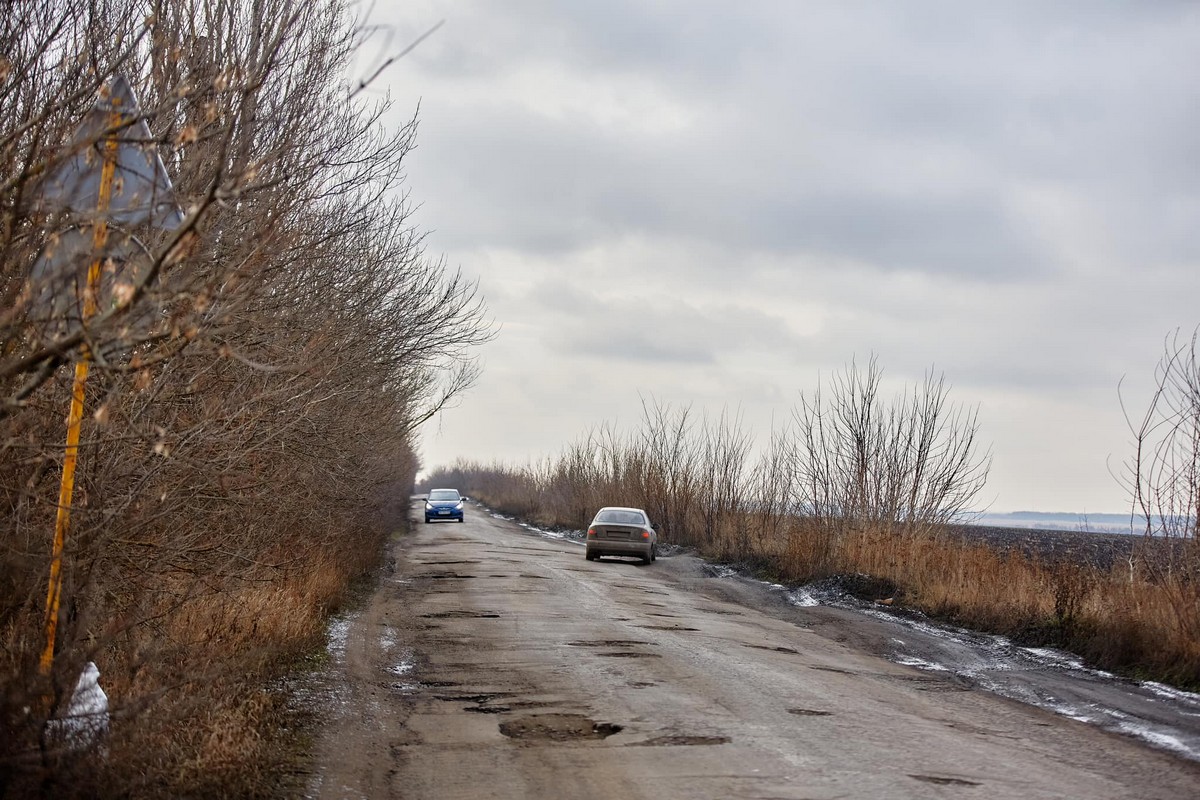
{"x":494,"y":663}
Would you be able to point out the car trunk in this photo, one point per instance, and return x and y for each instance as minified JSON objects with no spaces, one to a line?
{"x":618,"y":533}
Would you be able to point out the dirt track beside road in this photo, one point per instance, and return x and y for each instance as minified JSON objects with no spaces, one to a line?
{"x":491,"y":662}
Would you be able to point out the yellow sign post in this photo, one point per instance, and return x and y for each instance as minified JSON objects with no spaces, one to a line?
{"x":75,"y":417}
{"x":130,"y":189}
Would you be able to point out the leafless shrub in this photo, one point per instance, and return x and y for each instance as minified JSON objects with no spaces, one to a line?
{"x":773,"y":519}
{"x":724,"y":448}
{"x":1163,"y":477}
{"x":909,"y":465}
{"x":670,"y":459}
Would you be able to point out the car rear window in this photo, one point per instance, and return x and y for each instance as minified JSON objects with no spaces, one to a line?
{"x":621,"y":517}
{"x":443,"y":494}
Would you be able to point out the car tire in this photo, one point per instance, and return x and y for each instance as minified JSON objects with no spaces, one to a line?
{"x":653,"y":552}
{"x":462,"y":519}
{"x":427,"y":520}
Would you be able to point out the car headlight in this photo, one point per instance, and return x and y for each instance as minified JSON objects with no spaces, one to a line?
{"x":459,"y":506}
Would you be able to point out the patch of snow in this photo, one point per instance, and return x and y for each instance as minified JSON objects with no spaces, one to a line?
{"x":544,"y":532}
{"x":920,"y":663}
{"x":1056,"y":658}
{"x":1159,"y":739}
{"x":85,"y":721}
{"x":1171,"y":693}
{"x":1065,"y":710}
{"x":406,"y":664}
{"x":335,"y":642}
{"x":803,"y":598}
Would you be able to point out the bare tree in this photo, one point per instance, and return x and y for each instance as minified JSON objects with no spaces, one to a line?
{"x":909,"y":464}
{"x":258,"y":369}
{"x":772,"y":490}
{"x":1164,"y":473}
{"x":1163,"y":477}
{"x":725,"y":446}
{"x":670,"y":459}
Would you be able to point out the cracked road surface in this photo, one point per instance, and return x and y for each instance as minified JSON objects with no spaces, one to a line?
{"x":492,"y":662}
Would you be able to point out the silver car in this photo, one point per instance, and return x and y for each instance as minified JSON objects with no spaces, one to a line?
{"x":618,"y":531}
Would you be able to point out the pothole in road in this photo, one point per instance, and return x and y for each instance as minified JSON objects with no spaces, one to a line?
{"x":677,"y":741}
{"x":940,"y":781}
{"x":441,"y":576}
{"x":488,"y":709}
{"x":667,"y":628}
{"x":607,"y":643}
{"x":445,"y":563}
{"x":809,"y":712}
{"x":478,"y":699}
{"x":628,"y":654}
{"x":557,"y":728}
{"x":924,"y":683}
{"x":774,"y":649}
{"x":461,"y":615}
{"x":407,"y":688}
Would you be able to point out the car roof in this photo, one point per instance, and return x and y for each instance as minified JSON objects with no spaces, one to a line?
{"x":623,"y":508}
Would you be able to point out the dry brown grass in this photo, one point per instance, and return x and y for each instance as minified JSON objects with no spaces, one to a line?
{"x":192,"y":712}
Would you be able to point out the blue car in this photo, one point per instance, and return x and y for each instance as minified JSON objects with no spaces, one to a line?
{"x":443,"y":504}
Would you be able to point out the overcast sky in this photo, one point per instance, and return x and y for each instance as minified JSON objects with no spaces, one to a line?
{"x":717,"y":204}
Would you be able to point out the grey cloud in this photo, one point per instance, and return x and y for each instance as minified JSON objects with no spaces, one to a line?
{"x":919,"y":184}
{"x":551,"y":198}
{"x":641,"y":327}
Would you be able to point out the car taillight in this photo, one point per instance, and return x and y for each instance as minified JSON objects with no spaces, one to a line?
{"x":645,"y":534}
{"x":591,"y":532}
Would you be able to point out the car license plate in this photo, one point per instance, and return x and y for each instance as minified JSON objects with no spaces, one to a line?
{"x":444,"y":511}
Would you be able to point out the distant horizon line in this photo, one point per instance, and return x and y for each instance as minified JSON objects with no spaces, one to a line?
{"x":1028,"y":513}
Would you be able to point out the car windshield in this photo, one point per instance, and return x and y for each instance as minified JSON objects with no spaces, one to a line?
{"x":618,"y":516}
{"x":443,"y":494}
